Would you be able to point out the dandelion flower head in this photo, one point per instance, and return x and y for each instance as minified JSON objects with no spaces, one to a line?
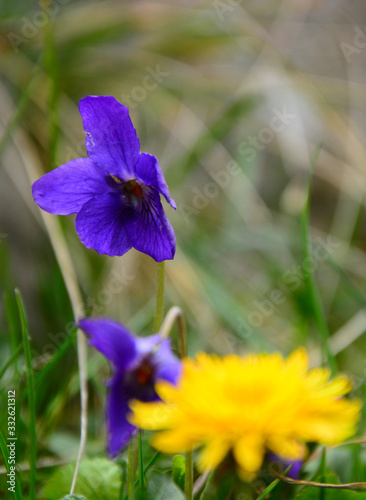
{"x":248,"y":406}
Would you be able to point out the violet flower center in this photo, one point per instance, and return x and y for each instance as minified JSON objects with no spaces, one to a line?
{"x":140,"y":381}
{"x":132,"y":191}
{"x":134,"y":187}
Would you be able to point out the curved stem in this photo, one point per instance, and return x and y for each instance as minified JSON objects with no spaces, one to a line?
{"x":173,"y":314}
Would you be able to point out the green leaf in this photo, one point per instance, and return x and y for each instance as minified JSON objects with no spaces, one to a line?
{"x":73,"y":497}
{"x":159,"y":487}
{"x":99,"y":479}
{"x":179,"y":470}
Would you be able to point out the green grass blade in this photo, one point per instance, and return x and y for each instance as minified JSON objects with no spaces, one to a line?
{"x":312,"y":288}
{"x":206,"y":490}
{"x":5,"y":453}
{"x":272,"y":486}
{"x":152,"y":461}
{"x":349,"y":284}
{"x":10,"y":361}
{"x":31,"y":397}
{"x":269,"y":488}
{"x":12,"y":320}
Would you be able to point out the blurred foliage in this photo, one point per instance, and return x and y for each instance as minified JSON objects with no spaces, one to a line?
{"x":239,"y":273}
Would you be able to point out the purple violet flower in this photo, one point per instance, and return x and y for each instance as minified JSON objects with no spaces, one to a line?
{"x":138,"y":362}
{"x":115,"y":192}
{"x":282,"y":464}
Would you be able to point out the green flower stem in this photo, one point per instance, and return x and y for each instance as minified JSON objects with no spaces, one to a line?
{"x":188,"y":483}
{"x":159,"y":309}
{"x":135,"y":456}
{"x":130,"y":472}
{"x":141,"y":463}
{"x":176,"y":314}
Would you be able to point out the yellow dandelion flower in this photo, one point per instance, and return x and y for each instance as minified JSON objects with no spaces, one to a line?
{"x":248,"y":405}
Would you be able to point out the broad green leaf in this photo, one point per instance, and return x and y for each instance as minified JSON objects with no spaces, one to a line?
{"x":159,"y":487}
{"x":99,"y":479}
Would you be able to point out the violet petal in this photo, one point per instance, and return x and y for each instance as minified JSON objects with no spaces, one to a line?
{"x":64,"y":191}
{"x":168,"y":367}
{"x":111,"y":339}
{"x":149,"y":171}
{"x":149,"y":230}
{"x":100,"y":224}
{"x":119,"y":429}
{"x":111,"y":139}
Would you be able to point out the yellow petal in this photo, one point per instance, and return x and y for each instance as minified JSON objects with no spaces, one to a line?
{"x":298,"y":359}
{"x":150,"y":416}
{"x":172,"y":442}
{"x":287,"y":448}
{"x":249,"y":451}
{"x":167,"y":392}
{"x":212,"y":454}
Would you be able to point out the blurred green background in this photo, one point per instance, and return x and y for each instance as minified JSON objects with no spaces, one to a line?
{"x":233,"y":97}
